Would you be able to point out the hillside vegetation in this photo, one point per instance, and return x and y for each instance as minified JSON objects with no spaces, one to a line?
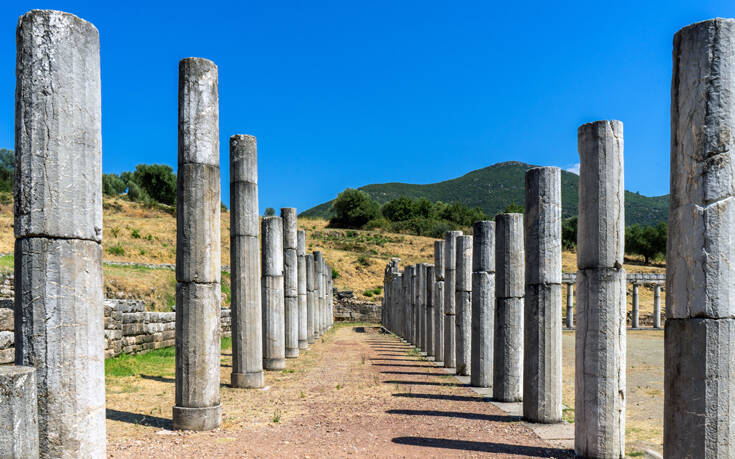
{"x":496,"y":187}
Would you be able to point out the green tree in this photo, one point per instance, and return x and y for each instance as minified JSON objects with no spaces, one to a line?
{"x":158,"y":181}
{"x":399,"y":209}
{"x":113,"y":185}
{"x":353,"y":209}
{"x":270,"y":211}
{"x":569,"y":233}
{"x":648,"y":241}
{"x":7,"y":169}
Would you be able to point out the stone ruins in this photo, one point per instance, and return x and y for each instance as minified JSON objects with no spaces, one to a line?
{"x":489,"y":307}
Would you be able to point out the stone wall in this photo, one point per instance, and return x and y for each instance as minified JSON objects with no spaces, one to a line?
{"x":129,"y":328}
{"x":351,"y":310}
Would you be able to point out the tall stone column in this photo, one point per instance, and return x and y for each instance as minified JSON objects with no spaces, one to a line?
{"x":656,"y":306}
{"x":599,"y":388}
{"x":429,"y":317}
{"x":310,"y":300}
{"x":406,"y":303}
{"x":483,"y":304}
{"x":290,"y":281}
{"x":411,"y":338}
{"x":635,"y":310}
{"x":463,"y":302}
{"x":319,"y":297}
{"x":198,"y":250}
{"x":509,"y":291}
{"x":274,"y":333}
{"x":420,"y":305}
{"x":450,"y":310}
{"x":438,"y":301}
{"x":58,"y":229}
{"x":699,"y":383}
{"x":542,"y":314}
{"x":247,"y":322}
{"x":570,"y":305}
{"x":301,"y":253}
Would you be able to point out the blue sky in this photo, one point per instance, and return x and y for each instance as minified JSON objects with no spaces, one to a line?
{"x":345,"y":93}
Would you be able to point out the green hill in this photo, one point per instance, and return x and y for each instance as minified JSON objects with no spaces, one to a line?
{"x":493,"y":188}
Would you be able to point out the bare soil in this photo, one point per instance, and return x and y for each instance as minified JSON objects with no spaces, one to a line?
{"x":358,"y":392}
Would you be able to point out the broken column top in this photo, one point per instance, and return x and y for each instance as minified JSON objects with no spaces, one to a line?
{"x":243,"y":159}
{"x":272,"y":234}
{"x":450,"y":250}
{"x":483,"y":240}
{"x":288,"y":214}
{"x":198,"y":112}
{"x":601,"y":233}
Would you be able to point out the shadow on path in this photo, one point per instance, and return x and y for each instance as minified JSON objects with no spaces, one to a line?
{"x":414,"y":373}
{"x":428,"y":383}
{"x":158,"y":378}
{"x":457,"y":414}
{"x":139,"y":419}
{"x":402,"y":365}
{"x":453,"y":398}
{"x":485,"y":447}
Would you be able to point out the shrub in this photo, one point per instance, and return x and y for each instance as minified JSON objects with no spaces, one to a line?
{"x":335,"y":274}
{"x":363,"y":260}
{"x":136,"y":193}
{"x":270,"y":211}
{"x":569,"y":233}
{"x":158,"y":181}
{"x":116,"y":249}
{"x":112,"y":185}
{"x":135,"y":234}
{"x":648,"y":241}
{"x":353,"y":209}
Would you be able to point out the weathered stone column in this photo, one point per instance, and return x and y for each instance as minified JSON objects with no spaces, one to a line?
{"x":420,"y":305}
{"x":438,"y":301}
{"x":290,"y":281}
{"x":412,"y":303}
{"x":542,"y":314}
{"x":509,"y":291}
{"x":59,"y":311}
{"x":429,"y":290}
{"x":406,"y":303}
{"x":450,"y":309}
{"x":634,"y":312}
{"x":198,"y":250}
{"x":18,"y":412}
{"x":247,"y":322}
{"x":463,"y":303}
{"x":301,"y":253}
{"x":310,"y":300}
{"x":699,"y":386}
{"x":570,"y":305}
{"x":274,"y":334}
{"x":319,"y":297}
{"x":599,"y":388}
{"x":483,"y":303}
{"x":656,"y":306}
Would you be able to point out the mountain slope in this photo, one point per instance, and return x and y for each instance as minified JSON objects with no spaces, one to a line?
{"x":493,"y":188}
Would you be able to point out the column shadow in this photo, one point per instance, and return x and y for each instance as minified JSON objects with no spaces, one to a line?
{"x":428,"y":383}
{"x":139,"y":419}
{"x":414,"y":373}
{"x":458,"y":414}
{"x":484,"y":447}
{"x":453,"y":398}
{"x":162,"y":379}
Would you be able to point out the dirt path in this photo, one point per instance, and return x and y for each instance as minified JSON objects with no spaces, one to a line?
{"x":359,"y":393}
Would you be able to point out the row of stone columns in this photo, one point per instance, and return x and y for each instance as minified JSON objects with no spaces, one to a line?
{"x":634,"y":310}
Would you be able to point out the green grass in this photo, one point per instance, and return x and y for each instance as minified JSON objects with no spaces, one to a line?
{"x":7,"y":264}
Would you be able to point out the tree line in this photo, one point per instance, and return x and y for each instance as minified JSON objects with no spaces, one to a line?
{"x":357,"y":210}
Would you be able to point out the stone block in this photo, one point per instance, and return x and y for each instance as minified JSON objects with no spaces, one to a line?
{"x":7,"y":320}
{"x":509,"y":256}
{"x":274,"y":338}
{"x":198,"y":113}
{"x":463,"y":266}
{"x":272,"y":246}
{"x":542,"y":225}
{"x":483,"y":241}
{"x":483,"y":324}
{"x":18,"y":412}
{"x":7,"y":355}
{"x":439,"y":260}
{"x":508,"y":350}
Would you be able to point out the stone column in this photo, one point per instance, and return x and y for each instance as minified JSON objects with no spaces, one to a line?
{"x":542,"y":317}
{"x":18,"y":412}
{"x":247,"y":322}
{"x":412,"y":302}
{"x":406,"y":303}
{"x":301,"y":253}
{"x":570,"y":305}
{"x":634,"y":312}
{"x":198,"y":250}
{"x":438,"y":301}
{"x":483,"y":304}
{"x":397,"y":304}
{"x":599,"y":388}
{"x":290,"y":281}
{"x":274,"y":334}
{"x":509,"y":291}
{"x":429,"y":318}
{"x":310,"y":300}
{"x":699,"y":383}
{"x":319,"y":297}
{"x":450,"y":310}
{"x":420,"y":305}
{"x":656,"y":306}
{"x":463,"y":303}
{"x":59,"y":311}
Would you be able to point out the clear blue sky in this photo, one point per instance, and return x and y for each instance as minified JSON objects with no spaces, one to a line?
{"x":345,"y":93}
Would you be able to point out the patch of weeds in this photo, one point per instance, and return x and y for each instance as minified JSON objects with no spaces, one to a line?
{"x":149,"y":237}
{"x":116,"y":249}
{"x":115,"y":231}
{"x":135,"y":234}
{"x":363,"y":359}
{"x":335,"y":273}
{"x":363,"y":260}
{"x":288,"y":371}
{"x":277,"y":416}
{"x":635,"y":454}
{"x":226,"y":343}
{"x":368,"y":293}
{"x":414,"y":352}
{"x":225,"y":288}
{"x":567,"y":415}
{"x":302,"y":394}
{"x":340,"y":386}
{"x":141,"y":252}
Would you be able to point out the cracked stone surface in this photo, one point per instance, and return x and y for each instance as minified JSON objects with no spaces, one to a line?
{"x":19,"y":413}
{"x":198,"y":112}
{"x":463,"y":304}
{"x":483,"y":304}
{"x":301,"y":254}
{"x":274,"y":338}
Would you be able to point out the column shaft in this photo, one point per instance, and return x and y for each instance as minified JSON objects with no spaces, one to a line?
{"x":463,"y":304}
{"x":290,"y":281}
{"x":274,"y":334}
{"x":301,"y":253}
{"x":438,"y":301}
{"x":483,"y":304}
{"x":450,"y":301}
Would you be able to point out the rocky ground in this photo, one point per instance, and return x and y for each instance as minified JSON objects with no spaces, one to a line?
{"x":357,"y":392}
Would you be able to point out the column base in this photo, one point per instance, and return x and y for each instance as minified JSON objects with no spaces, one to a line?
{"x":247,"y":380}
{"x":206,"y":418}
{"x":274,"y":364}
{"x":292,"y":353}
{"x":303,"y":345}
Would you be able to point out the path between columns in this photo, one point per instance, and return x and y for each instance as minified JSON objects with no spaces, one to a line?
{"x":360,"y":392}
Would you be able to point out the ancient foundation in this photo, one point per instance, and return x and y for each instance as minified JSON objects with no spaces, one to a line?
{"x":301,"y":254}
{"x":509,"y":291}
{"x":247,"y":322}
{"x":483,"y":303}
{"x":438,"y":301}
{"x":542,"y":314}
{"x":599,"y":401}
{"x":58,"y":229}
{"x":450,"y":310}
{"x":699,"y":382}
{"x":463,"y":303}
{"x":290,"y":281}
{"x":274,"y":334}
